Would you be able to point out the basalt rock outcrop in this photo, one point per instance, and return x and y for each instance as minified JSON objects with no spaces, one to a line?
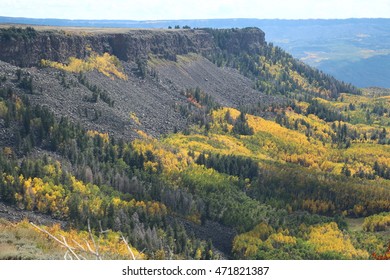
{"x":26,"y":47}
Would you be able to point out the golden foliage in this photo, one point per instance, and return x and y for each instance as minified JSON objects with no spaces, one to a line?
{"x":215,"y":143}
{"x":143,"y":134}
{"x":153,"y":208}
{"x":108,"y":65}
{"x":3,"y":109}
{"x":110,"y":244}
{"x":220,"y":123}
{"x":247,"y":244}
{"x":172,"y":160}
{"x":270,"y":141}
{"x":377,"y":222}
{"x":328,"y":238}
{"x":276,"y":240}
{"x":7,"y":152}
{"x":105,"y":137}
{"x":293,"y":138}
{"x":42,"y":196}
{"x":134,"y":117}
{"x":277,"y":69}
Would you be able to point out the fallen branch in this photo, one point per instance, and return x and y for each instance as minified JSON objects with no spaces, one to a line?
{"x":78,"y":251}
{"x":63,"y":243}
{"x":128,"y":247}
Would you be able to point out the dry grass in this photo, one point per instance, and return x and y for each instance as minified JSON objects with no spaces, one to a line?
{"x":21,"y":242}
{"x":355,"y":224}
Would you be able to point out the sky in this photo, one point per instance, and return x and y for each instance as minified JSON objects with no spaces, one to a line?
{"x":195,"y":9}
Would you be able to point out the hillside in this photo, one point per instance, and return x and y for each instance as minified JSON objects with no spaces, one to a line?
{"x":349,"y":49}
{"x":194,"y":144}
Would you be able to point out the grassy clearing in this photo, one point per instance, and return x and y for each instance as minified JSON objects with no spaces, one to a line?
{"x":355,"y":224}
{"x":21,"y":242}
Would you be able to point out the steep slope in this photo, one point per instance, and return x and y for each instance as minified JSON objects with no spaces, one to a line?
{"x":152,"y":99}
{"x":226,"y":85}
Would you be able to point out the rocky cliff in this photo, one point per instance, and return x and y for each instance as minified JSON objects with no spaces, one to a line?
{"x":26,"y":47}
{"x":177,"y":63}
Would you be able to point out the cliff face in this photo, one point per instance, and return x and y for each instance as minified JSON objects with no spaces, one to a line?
{"x":26,"y":48}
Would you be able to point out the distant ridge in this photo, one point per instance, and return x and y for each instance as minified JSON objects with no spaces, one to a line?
{"x":340,"y":47}
{"x":194,"y":23}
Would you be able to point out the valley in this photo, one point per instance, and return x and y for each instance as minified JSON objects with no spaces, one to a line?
{"x":193,"y":144}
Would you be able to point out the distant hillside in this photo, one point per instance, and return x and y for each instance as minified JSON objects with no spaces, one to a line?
{"x":353,"y":50}
{"x":373,"y":71}
{"x":341,"y":48}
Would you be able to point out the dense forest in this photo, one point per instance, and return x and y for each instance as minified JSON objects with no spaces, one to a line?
{"x":309,"y":181}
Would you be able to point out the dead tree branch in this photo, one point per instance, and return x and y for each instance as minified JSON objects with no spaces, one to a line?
{"x":128,"y":247}
{"x":63,"y":243}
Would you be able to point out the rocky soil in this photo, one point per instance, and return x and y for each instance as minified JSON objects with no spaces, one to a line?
{"x":14,"y":214}
{"x":154,"y":99}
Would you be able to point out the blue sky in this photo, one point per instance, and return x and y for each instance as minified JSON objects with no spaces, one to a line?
{"x":194,"y":9}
